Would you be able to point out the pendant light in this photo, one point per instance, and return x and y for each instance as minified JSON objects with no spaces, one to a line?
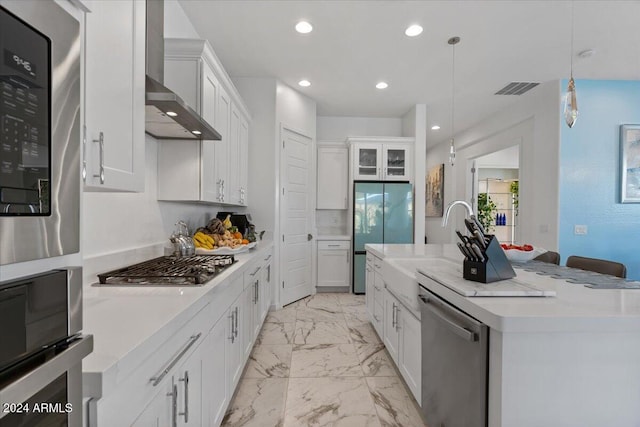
{"x":570,"y":102}
{"x":453,"y":41}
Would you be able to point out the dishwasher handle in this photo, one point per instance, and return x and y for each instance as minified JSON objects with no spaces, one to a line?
{"x":453,"y":326}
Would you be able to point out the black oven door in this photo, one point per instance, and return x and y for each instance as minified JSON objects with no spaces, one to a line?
{"x":49,"y":407}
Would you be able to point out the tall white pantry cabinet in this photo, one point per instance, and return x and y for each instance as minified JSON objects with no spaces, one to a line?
{"x":208,"y":171}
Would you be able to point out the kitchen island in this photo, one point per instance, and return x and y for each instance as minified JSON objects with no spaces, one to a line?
{"x":572,"y":359}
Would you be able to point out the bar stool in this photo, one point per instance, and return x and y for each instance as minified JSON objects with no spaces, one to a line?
{"x":602,"y":266}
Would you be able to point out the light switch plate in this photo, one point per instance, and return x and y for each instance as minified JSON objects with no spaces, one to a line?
{"x":580,"y":229}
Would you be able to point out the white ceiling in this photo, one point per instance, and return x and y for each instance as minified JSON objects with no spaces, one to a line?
{"x":355,"y":44}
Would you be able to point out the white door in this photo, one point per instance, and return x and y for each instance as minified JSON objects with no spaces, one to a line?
{"x":295,"y":217}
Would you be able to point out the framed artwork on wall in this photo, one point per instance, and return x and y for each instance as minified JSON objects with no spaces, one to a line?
{"x":630,"y":163}
{"x":435,"y":191}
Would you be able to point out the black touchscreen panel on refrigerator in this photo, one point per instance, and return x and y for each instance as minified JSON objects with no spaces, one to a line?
{"x":25,"y":117}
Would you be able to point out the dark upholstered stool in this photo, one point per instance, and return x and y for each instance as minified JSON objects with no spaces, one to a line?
{"x":611,"y":268}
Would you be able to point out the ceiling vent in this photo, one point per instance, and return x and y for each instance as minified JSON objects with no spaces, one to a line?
{"x":516,"y":88}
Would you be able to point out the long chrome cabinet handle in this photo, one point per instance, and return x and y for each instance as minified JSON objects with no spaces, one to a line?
{"x":268,"y":258}
{"x":257,"y":293}
{"x":174,"y":405}
{"x":185,"y":414}
{"x":393,"y":315}
{"x":233,"y":331}
{"x":236,"y":322}
{"x":100,"y":141}
{"x":158,"y":378}
{"x":84,"y":153}
{"x":255,"y":272}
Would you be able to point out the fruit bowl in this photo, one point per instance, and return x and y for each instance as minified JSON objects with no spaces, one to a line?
{"x":522,"y":253}
{"x":225,"y":250}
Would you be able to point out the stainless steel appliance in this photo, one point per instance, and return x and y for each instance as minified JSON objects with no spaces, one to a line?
{"x":39,"y":131}
{"x":169,"y":270}
{"x":382,"y":213}
{"x":454,"y":364}
{"x":167,"y":115}
{"x":42,"y":349}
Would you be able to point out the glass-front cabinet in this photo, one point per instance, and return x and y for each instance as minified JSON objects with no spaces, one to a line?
{"x":381,"y":159}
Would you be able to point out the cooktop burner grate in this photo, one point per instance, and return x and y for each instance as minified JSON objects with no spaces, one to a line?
{"x":169,"y":270}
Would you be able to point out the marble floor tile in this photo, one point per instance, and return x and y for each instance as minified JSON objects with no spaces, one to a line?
{"x":328,"y":302}
{"x":285,"y":314}
{"x":363,"y":333}
{"x":339,"y":402}
{"x":312,"y":332}
{"x":359,"y":309}
{"x":269,"y":361}
{"x":375,"y":360}
{"x":324,"y":360}
{"x":348,"y":299}
{"x":393,"y":404}
{"x":356,"y":319}
{"x":258,"y":402}
{"x":320,"y":314}
{"x":276,"y":333}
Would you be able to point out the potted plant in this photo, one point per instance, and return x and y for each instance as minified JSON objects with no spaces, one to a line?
{"x":486,"y":211}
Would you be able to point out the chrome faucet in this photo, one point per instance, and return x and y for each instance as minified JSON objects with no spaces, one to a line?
{"x":445,"y":218}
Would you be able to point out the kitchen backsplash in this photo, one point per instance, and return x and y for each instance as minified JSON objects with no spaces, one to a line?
{"x":331,"y":222}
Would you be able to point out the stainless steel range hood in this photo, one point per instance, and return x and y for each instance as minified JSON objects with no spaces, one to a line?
{"x":167,"y":115}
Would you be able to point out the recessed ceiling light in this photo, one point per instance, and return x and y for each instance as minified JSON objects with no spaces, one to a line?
{"x":304,"y":83}
{"x":435,"y":127}
{"x":382,"y":85}
{"x":413,"y":30}
{"x":196,"y":132}
{"x":303,"y":27}
{"x":171,"y":114}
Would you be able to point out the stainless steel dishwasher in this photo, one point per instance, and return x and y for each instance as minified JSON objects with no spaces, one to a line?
{"x":454,"y":365}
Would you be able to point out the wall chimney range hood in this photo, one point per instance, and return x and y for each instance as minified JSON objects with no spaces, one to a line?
{"x":167,"y":116}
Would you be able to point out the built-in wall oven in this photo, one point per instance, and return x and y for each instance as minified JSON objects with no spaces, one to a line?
{"x":39,"y":131}
{"x":41,"y":350}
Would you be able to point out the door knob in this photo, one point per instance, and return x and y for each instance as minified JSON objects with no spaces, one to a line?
{"x":309,"y":237}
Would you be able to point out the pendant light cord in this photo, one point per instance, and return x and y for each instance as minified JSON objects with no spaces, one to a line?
{"x":453,"y":89}
{"x":572,"y":33}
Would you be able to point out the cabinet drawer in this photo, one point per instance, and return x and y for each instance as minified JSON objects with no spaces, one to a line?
{"x":124,"y":404}
{"x":333,"y":244}
{"x":251,"y":274}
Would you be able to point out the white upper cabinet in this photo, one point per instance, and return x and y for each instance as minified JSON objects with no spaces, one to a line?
{"x":205,"y":171}
{"x":381,"y":158}
{"x":114,"y":116}
{"x":333,"y":176}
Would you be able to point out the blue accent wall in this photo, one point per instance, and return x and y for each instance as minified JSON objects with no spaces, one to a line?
{"x":589,"y":175}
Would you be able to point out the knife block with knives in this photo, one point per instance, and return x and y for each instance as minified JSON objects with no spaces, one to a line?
{"x":484,"y":259}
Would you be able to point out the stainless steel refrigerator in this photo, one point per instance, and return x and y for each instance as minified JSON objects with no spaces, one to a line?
{"x":382,"y":213}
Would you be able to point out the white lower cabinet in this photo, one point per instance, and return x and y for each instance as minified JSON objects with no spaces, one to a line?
{"x":189,"y":380}
{"x":410,"y":355}
{"x":391,"y":328}
{"x":334,"y":268}
{"x":214,"y":373}
{"x":398,"y":327}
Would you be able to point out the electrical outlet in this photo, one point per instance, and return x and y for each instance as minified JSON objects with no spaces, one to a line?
{"x":580,"y":229}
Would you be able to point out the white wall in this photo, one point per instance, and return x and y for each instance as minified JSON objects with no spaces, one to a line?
{"x":114,"y":222}
{"x":534,"y":123}
{"x":259,"y":94}
{"x":176,"y":23}
{"x":332,"y":128}
{"x":414,"y":124}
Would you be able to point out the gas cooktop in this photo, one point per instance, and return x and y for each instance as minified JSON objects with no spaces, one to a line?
{"x":169,"y":270}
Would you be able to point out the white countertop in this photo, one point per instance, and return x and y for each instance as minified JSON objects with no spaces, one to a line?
{"x":129,"y":322}
{"x":333,"y":237}
{"x":575,"y":308}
